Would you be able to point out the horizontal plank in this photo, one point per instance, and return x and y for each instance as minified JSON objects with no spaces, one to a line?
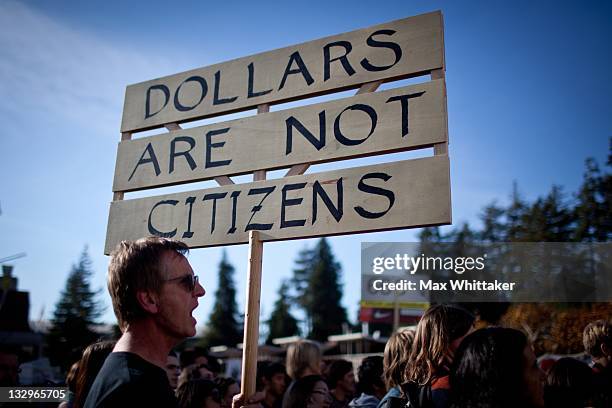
{"x":402,"y":194}
{"x":398,"y":49}
{"x":398,"y":119}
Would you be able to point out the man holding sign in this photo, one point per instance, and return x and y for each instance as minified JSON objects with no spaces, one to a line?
{"x":154,"y":292}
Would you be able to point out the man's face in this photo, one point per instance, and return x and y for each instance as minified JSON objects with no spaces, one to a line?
{"x":177,"y":300}
{"x":172,"y":371}
{"x":347,"y":383}
{"x":276,"y":385}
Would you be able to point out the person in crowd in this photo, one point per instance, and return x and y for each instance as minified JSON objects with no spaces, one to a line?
{"x":197,"y":358}
{"x":307,"y":392}
{"x":437,"y":336}
{"x":228,"y":387}
{"x":308,"y":389}
{"x":90,"y":364}
{"x":341,"y":383}
{"x":569,"y":384}
{"x":371,"y":385}
{"x":496,"y":368}
{"x":194,"y":372}
{"x":395,"y":363}
{"x":273,"y":382}
{"x":597,"y":340}
{"x":71,"y":384}
{"x":198,"y":393}
{"x":154,"y":292}
{"x":9,"y":367}
{"x":172,"y":369}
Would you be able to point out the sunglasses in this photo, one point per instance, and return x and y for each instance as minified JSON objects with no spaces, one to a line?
{"x":189,"y":282}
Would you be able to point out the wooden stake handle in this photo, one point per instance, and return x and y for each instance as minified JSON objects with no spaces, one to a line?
{"x":251,"y":316}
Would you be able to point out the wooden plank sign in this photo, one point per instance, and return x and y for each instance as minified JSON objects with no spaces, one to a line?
{"x":374,"y":123}
{"x":371,"y":198}
{"x":399,"y":49}
{"x":385,"y":196}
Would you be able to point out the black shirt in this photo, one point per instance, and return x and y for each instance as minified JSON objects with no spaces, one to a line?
{"x":127,"y":380}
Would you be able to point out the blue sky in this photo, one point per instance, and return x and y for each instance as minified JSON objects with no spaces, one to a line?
{"x":528,"y":100}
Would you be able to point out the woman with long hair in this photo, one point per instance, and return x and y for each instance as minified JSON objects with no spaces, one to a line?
{"x":437,"y":336}
{"x":90,"y":364}
{"x":496,"y":368}
{"x":308,"y":389}
{"x":198,"y":393}
{"x":395,"y":363}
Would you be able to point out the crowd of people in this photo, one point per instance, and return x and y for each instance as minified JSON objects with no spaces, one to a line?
{"x":444,"y":363}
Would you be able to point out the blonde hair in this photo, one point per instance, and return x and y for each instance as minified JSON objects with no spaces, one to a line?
{"x":437,"y":329}
{"x":137,"y":266}
{"x":395,"y":357}
{"x":595,"y":334}
{"x":303,"y":355}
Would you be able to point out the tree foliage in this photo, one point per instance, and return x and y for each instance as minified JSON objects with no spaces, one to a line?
{"x":554,"y":217}
{"x":281,"y":323}
{"x":319,"y":292}
{"x":75,"y":314}
{"x":224,"y":326}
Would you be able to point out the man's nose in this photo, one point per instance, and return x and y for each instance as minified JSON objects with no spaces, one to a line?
{"x":199,"y":290}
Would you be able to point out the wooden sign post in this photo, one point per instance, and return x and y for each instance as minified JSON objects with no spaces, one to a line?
{"x":379,"y":197}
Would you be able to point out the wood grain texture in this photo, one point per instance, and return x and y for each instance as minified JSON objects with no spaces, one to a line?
{"x":262,"y":142}
{"x":289,"y":73}
{"x":420,"y":189}
{"x":251,"y":315}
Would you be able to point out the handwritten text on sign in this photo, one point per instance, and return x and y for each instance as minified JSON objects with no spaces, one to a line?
{"x":371,"y":198}
{"x":376,"y":123}
{"x":398,"y":49}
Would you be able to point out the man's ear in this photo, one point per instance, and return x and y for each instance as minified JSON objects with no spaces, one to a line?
{"x":148,"y":301}
{"x":605,"y":350}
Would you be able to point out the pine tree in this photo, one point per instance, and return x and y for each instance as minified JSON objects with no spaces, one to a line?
{"x":75,"y":314}
{"x":493,"y":228}
{"x":281,"y":322}
{"x":548,"y":219}
{"x":515,"y":217}
{"x":321,"y":297}
{"x":300,"y":283}
{"x":593,"y":211}
{"x":224,"y":327}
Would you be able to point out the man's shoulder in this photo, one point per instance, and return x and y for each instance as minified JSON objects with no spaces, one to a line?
{"x":126,"y":379}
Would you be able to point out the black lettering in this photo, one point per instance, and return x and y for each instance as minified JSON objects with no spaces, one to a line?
{"x":214,"y":197}
{"x":210,"y":145}
{"x":287,"y":202}
{"x":301,"y":69}
{"x":351,"y":142}
{"x":342,"y":58}
{"x":166,"y":92}
{"x":151,"y":159}
{"x":292,"y":122}
{"x":216,"y":99}
{"x":397,"y":50}
{"x":155,"y":231}
{"x":173,"y":153}
{"x":262,"y":190}
{"x":362,"y":186}
{"x":203,"y":86}
{"x":251,"y":93}
{"x":189,"y":233}
{"x":336,"y":211}
{"x":234,"y":197}
{"x":404,"y":102}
